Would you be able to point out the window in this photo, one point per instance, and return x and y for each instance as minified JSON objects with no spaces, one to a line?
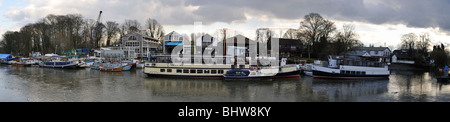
{"x":185,"y":71}
{"x":162,"y":70}
{"x":213,"y":71}
{"x":169,"y":70}
{"x":363,"y":73}
{"x":220,"y":71}
{"x":352,"y":72}
{"x":199,"y":71}
{"x":193,"y":70}
{"x":342,"y":72}
{"x":179,"y":71}
{"x":132,"y":38}
{"x":206,"y":71}
{"x":347,"y":72}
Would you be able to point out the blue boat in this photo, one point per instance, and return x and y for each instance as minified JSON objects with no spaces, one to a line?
{"x":127,"y":67}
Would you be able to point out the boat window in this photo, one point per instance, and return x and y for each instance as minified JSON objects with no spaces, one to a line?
{"x":179,"y":71}
{"x":162,"y":70}
{"x":199,"y":71}
{"x":358,"y":72}
{"x":342,"y":72}
{"x":169,"y":70}
{"x":347,"y":72}
{"x":206,"y":71}
{"x":352,"y":72}
{"x":220,"y":71}
{"x":193,"y":70}
{"x":363,"y":73}
{"x":213,"y":71}
{"x":185,"y":71}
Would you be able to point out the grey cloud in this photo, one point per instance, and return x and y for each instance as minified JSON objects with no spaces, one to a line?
{"x":413,"y":13}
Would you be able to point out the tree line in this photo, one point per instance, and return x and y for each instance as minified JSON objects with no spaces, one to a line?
{"x":62,"y":32}
{"x":320,"y":36}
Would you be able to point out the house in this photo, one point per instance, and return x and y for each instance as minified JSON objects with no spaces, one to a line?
{"x":136,"y":45}
{"x":381,"y":53}
{"x":290,"y":48}
{"x":402,"y":56}
{"x":174,"y":39}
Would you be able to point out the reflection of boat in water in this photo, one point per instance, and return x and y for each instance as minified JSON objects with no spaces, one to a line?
{"x":348,"y":90}
{"x":370,"y":69}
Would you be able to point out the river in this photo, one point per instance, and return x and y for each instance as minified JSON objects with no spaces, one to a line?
{"x":34,"y":84}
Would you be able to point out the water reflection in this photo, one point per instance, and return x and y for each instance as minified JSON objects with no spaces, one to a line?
{"x":46,"y":84}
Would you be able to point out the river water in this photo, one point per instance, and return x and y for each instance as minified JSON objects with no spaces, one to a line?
{"x":24,"y":84}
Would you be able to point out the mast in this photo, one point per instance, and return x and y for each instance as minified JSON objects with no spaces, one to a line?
{"x":94,"y":33}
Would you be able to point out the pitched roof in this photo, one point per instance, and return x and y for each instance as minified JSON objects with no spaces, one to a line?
{"x":372,"y":48}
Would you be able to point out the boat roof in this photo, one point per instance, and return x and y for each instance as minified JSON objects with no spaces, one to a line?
{"x":5,"y":56}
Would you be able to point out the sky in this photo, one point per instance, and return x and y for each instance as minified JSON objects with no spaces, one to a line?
{"x":377,"y":22}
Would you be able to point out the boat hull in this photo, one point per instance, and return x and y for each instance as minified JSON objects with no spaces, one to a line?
{"x":127,"y":67}
{"x":68,"y":66}
{"x":186,"y":76}
{"x":350,"y":72}
{"x":116,"y":69}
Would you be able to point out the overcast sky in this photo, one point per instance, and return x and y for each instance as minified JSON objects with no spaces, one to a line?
{"x":378,"y":22}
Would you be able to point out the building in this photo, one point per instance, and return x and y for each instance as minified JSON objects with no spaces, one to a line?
{"x":360,"y":54}
{"x":174,"y":39}
{"x":402,"y":56}
{"x":136,"y":45}
{"x":291,"y":48}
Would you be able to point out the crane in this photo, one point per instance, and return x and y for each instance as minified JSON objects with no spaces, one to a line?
{"x":94,"y":33}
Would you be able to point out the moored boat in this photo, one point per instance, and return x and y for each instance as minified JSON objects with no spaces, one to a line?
{"x":240,"y":74}
{"x":59,"y":64}
{"x":111,"y":67}
{"x":344,"y":71}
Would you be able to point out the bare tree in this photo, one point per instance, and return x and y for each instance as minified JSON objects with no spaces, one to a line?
{"x":409,"y":41}
{"x":346,"y":38}
{"x":292,"y":34}
{"x":423,"y":43}
{"x":314,"y":27}
{"x":155,"y":29}
{"x":112,"y":28}
{"x":132,"y":26}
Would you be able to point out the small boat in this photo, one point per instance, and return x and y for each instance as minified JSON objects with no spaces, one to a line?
{"x":111,"y":67}
{"x":240,"y":74}
{"x":127,"y":67}
{"x":59,"y":64}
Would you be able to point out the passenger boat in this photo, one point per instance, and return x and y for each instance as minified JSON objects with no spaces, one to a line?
{"x":368,"y":69}
{"x":162,"y":68}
